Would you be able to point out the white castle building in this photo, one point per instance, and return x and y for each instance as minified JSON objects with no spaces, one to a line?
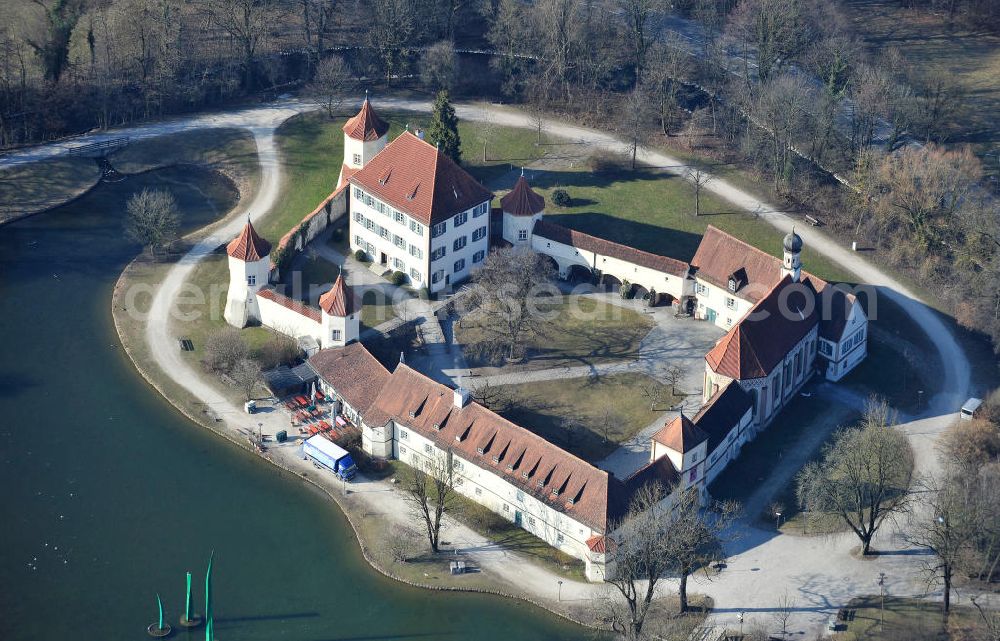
{"x":251,"y":300}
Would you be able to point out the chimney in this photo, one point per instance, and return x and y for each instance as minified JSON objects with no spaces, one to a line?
{"x":462,"y":397}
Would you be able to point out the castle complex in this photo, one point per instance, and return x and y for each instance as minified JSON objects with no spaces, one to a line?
{"x":412,"y":210}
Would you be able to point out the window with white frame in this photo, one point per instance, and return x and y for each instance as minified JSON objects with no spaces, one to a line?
{"x":479,"y":234}
{"x":399,"y":217}
{"x":461,"y":218}
{"x":385,"y":233}
{"x":416,"y":228}
{"x":480,"y":210}
{"x":402,"y":450}
{"x":403,"y":435}
{"x":335,"y":335}
{"x":459,"y":243}
{"x":416,"y":251}
{"x":359,"y":193}
{"x":251,"y":279}
{"x":428,"y":448}
{"x":439,"y":253}
{"x":437,"y":276}
{"x":459,"y":265}
{"x":700,"y":289}
{"x":439,"y":229}
{"x":399,"y":241}
{"x":357,"y":159}
{"x":414,"y":275}
{"x":359,"y":241}
{"x":479,"y":491}
{"x":478,"y":256}
{"x":522,"y":234}
{"x":531,"y":520}
{"x":358,"y":217}
{"x":730,"y":302}
{"x":399,"y":264}
{"x":506,"y":508}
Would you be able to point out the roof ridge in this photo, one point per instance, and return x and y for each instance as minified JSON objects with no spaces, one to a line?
{"x":753,"y":248}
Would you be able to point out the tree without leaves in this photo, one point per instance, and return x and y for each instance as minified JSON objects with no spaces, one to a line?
{"x":248,"y":23}
{"x":637,"y":108}
{"x":668,"y":64}
{"x":246,"y":376}
{"x":786,"y":606}
{"x":655,"y":393}
{"x":503,"y":293}
{"x":332,"y":82}
{"x":224,"y":349}
{"x":674,"y":376}
{"x":864,"y":475}
{"x":151,"y":219}
{"x":391,"y":33}
{"x":430,"y":493}
{"x":698,"y":179}
{"x":443,"y":130}
{"x":439,"y":66}
{"x":636,"y":17}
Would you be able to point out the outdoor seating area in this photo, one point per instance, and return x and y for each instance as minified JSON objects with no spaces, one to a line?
{"x":312,"y":414}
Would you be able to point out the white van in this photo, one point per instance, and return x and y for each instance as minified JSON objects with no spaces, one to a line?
{"x":970,"y":408}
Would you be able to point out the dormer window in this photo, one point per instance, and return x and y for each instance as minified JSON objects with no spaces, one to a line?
{"x":510,"y":468}
{"x":540,"y":483}
{"x":436,"y":426}
{"x":479,"y":450}
{"x":413,"y":414}
{"x":496,"y":459}
{"x":732,"y":284}
{"x":524,"y":475}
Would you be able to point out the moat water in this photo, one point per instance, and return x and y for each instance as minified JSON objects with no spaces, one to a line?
{"x":108,"y":495}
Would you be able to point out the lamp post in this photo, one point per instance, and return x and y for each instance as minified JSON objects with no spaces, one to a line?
{"x":560,"y":590}
{"x":741,"y":624}
{"x":881,"y":590}
{"x":260,"y":433}
{"x":777,"y":520}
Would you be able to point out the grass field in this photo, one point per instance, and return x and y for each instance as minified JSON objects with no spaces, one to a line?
{"x":968,"y":56}
{"x":908,"y":620}
{"x":31,"y":188}
{"x":547,"y":408}
{"x":312,"y":150}
{"x":653,"y":210}
{"x":580,"y":331}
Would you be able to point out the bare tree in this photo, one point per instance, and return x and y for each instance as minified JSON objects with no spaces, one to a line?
{"x":990,"y":618}
{"x":430,"y":492}
{"x":864,"y":475}
{"x":698,"y":179}
{"x":640,"y":31}
{"x":486,"y":130}
{"x":696,"y":536}
{"x":246,"y":376}
{"x":674,"y":376}
{"x":151,"y":219}
{"x":399,"y":544}
{"x":504,"y":291}
{"x":439,"y":66}
{"x":637,"y":108}
{"x":783,"y":612}
{"x":496,"y":397}
{"x":248,"y":23}
{"x":332,"y":83}
{"x":224,"y":349}
{"x":318,"y":20}
{"x":668,"y":64}
{"x":654,"y":391}
{"x":390,"y":34}
{"x":638,"y":551}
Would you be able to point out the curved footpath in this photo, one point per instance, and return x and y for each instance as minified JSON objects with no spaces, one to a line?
{"x":817,"y":573}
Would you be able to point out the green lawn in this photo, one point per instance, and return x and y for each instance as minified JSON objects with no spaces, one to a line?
{"x":653,"y":210}
{"x":312,"y":150}
{"x":581,"y":331}
{"x":908,"y":620}
{"x":547,"y":408}
{"x":30,"y":188}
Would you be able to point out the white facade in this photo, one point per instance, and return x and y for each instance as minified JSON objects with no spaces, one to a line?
{"x":431,"y":257}
{"x":719,"y":306}
{"x":338,"y":331}
{"x":852,"y":347}
{"x":288,"y":321}
{"x":245,"y":280}
{"x":566,"y":256}
{"x":517,"y":229}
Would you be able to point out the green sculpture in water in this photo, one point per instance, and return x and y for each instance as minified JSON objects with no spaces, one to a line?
{"x":187,"y":600}
{"x":209,"y":617}
{"x":161,"y":628}
{"x":159,"y":604}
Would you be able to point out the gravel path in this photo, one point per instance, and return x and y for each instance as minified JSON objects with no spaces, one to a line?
{"x":818,"y":573}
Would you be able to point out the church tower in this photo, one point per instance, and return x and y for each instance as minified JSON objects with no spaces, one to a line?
{"x":249,"y":270}
{"x":341,"y":315}
{"x":792,"y":259}
{"x":364,"y":136}
{"x":522,"y":207}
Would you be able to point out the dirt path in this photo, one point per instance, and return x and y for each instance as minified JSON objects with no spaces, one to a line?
{"x":818,"y":572}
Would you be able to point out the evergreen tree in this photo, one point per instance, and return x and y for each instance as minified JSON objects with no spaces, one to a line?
{"x":443,"y":130}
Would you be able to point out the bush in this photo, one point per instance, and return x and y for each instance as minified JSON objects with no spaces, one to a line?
{"x":279,"y":350}
{"x":397,"y":278}
{"x":625,"y":290}
{"x":560,"y":198}
{"x":361,"y":256}
{"x":224,"y":349}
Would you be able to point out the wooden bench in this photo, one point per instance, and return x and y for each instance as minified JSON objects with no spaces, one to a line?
{"x":815,"y":222}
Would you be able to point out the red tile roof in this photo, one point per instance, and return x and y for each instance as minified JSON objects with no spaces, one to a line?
{"x":366,"y":125}
{"x":720,"y":255}
{"x":775,"y":324}
{"x":352,"y":370}
{"x":248,"y":246}
{"x":289,"y":303}
{"x":834,"y":305}
{"x":680,"y":435}
{"x":586,"y":242}
{"x":599,"y":543}
{"x":415,"y":178}
{"x":522,"y":200}
{"x":340,"y":300}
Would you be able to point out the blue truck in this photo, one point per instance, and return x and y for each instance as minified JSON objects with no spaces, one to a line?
{"x":331,"y":456}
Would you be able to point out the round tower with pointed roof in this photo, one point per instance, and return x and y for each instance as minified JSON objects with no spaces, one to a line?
{"x":364,"y":136}
{"x":249,"y":270}
{"x":341,"y":315}
{"x":791,"y":263}
{"x":522,"y":207}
